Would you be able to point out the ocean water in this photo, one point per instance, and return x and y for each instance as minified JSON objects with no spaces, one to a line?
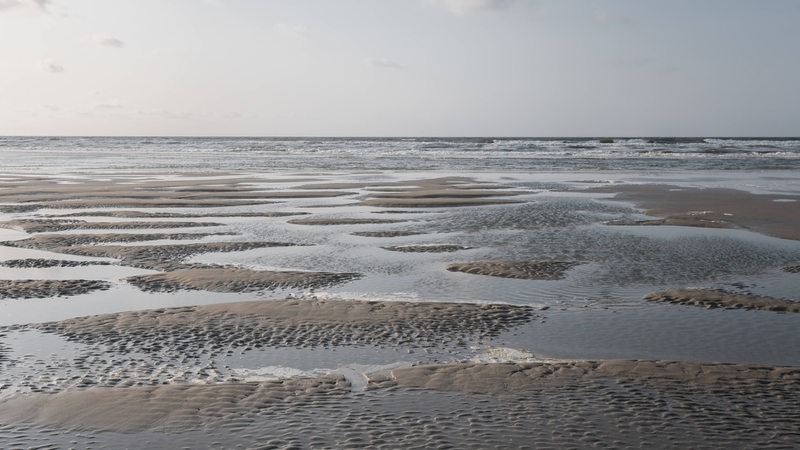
{"x":286,"y":153}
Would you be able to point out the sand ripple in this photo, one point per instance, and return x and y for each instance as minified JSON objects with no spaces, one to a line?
{"x":173,"y":406}
{"x":520,"y":378}
{"x":439,"y":192}
{"x":281,"y":323}
{"x":129,"y":214}
{"x":388,"y":233}
{"x":164,"y":257}
{"x":235,"y":279}
{"x":40,"y":263}
{"x":792,"y":269}
{"x":528,"y":270}
{"x":720,"y":299}
{"x":427,"y":248}
{"x":340,"y":221}
{"x":45,"y":226}
{"x":60,"y":242}
{"x":49,"y":288}
{"x":583,"y":404}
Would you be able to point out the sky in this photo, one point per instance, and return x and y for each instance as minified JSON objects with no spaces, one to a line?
{"x":400,"y":67}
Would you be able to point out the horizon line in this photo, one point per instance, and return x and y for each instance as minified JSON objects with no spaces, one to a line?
{"x":488,"y":136}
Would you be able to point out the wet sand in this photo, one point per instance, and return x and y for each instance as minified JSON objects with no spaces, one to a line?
{"x":339,"y":221}
{"x":583,"y":404}
{"x":46,"y":226}
{"x":708,"y":298}
{"x":305,"y":323}
{"x":172,"y":376}
{"x":64,"y":243}
{"x":155,"y":257}
{"x":774,"y":215}
{"x":466,"y":405}
{"x":40,"y":263}
{"x":426,"y":248}
{"x":439,"y":193}
{"x":235,"y":279}
{"x":522,"y":378}
{"x":48,"y":288}
{"x":175,"y":215}
{"x":382,"y":234}
{"x":34,"y":194}
{"x":527,"y":270}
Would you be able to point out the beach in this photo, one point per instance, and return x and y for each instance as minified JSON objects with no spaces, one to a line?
{"x":396,"y":309}
{"x":429,"y":224}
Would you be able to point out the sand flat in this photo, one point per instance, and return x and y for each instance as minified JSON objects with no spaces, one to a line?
{"x":710,"y":298}
{"x":439,"y":192}
{"x":340,"y":221}
{"x":652,"y":403}
{"x":306,"y":323}
{"x":132,"y":214}
{"x":519,"y":378}
{"x":174,"y":406}
{"x":762,"y":213}
{"x":528,"y":270}
{"x":236,"y":279}
{"x":163,"y":377}
{"x":209,"y":192}
{"x":49,"y":288}
{"x":63,"y":242}
{"x":47,"y":226}
{"x":160,"y":257}
{"x":426,"y":248}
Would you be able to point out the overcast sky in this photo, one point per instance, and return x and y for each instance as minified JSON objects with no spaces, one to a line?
{"x":400,"y":67}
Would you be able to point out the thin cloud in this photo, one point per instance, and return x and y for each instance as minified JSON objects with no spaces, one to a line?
{"x":107,"y":41}
{"x":385,"y":63}
{"x":51,"y":66}
{"x":30,"y":5}
{"x":461,"y":7}
{"x":9,"y":4}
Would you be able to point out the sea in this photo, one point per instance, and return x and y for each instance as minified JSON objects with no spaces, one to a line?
{"x":31,"y":154}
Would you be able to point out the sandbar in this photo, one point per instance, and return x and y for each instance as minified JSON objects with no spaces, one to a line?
{"x":710,"y":298}
{"x":518,"y":378}
{"x":769,"y":214}
{"x":340,"y":221}
{"x":163,"y":257}
{"x":387,"y":233}
{"x":45,"y":226}
{"x":291,"y":323}
{"x":426,"y":248}
{"x":550,"y":404}
{"x":439,"y":192}
{"x":131,"y":214}
{"x":527,"y":270}
{"x":41,"y":263}
{"x":236,"y":279}
{"x":49,"y":288}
